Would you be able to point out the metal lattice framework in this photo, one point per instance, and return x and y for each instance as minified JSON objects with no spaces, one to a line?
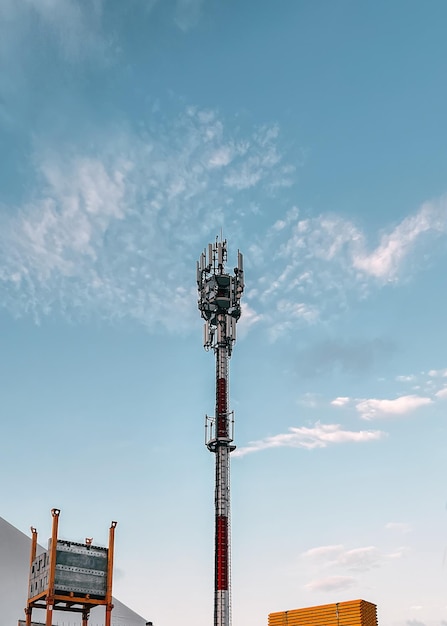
{"x":219,"y":303}
{"x":70,"y":576}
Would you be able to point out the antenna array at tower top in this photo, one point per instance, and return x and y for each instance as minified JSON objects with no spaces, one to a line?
{"x":219,"y":293}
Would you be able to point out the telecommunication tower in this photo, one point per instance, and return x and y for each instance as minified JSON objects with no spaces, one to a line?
{"x":219,"y":303}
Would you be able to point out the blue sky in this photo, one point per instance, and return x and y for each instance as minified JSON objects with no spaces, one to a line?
{"x":314,"y":134}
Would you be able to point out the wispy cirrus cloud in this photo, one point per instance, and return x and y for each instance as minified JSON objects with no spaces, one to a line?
{"x":187,"y":13}
{"x":166,"y":189}
{"x":386,"y":260}
{"x":75,"y":27}
{"x":359,"y":559}
{"x":323,"y":262}
{"x":117,"y":234}
{"x":323,"y":552}
{"x":402,"y":527}
{"x":331,"y":583}
{"x":318,"y":436}
{"x":415,"y":622}
{"x":354,"y":559}
{"x":344,"y":560}
{"x":248,"y":319}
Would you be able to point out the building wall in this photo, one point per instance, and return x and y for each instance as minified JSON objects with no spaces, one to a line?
{"x":352,"y":613}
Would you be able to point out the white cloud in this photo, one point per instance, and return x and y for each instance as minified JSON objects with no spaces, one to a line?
{"x":319,"y":436}
{"x":332,"y":583}
{"x":341,"y":401}
{"x":297,"y":310}
{"x":76,"y":27}
{"x":406,"y":379}
{"x":221,"y":157}
{"x":442,"y":393}
{"x":401,"y":527}
{"x":375,"y":408}
{"x":323,"y":262}
{"x":438,"y":373}
{"x":415,"y":622}
{"x":323,"y":551}
{"x":59,"y":232}
{"x":360,"y":559}
{"x":291,"y":216}
{"x":249,"y":318}
{"x":181,"y":181}
{"x":116,"y":234}
{"x":399,"y":553}
{"x":323,"y":237}
{"x":188,"y":13}
{"x":385,"y":261}
{"x":248,"y":169}
{"x":309,"y":400}
{"x":356,"y":559}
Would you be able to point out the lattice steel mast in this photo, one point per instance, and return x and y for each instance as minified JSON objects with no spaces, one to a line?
{"x":219,"y":303}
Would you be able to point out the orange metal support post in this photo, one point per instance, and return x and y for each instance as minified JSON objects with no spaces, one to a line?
{"x":50,"y":596}
{"x":109,"y":605}
{"x":85,"y":616}
{"x":29,"y":610}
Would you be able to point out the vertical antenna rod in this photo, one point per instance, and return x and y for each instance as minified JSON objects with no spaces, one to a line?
{"x":219,"y":304}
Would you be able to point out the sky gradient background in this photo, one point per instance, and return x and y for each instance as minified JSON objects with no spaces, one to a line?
{"x":314,"y":133}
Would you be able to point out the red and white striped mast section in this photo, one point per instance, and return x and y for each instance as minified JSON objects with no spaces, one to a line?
{"x":219,"y":303}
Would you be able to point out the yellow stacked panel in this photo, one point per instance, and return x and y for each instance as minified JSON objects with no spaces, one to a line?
{"x":352,"y":613}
